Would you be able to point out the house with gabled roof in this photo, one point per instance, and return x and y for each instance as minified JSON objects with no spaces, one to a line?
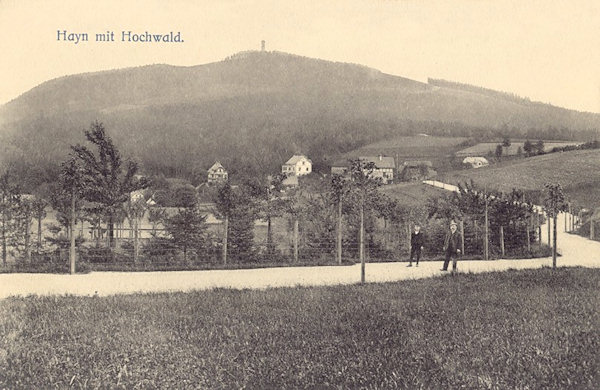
{"x":384,"y":167}
{"x":297,"y":165}
{"x":476,"y":162}
{"x":217,"y":174}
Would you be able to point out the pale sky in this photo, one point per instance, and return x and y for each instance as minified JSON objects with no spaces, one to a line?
{"x":546,"y":50}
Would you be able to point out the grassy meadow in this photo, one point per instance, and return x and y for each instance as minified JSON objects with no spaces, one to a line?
{"x":577,"y":171}
{"x":415,"y":147}
{"x":517,"y":329}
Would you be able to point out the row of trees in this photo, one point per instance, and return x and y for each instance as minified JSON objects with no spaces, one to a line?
{"x":16,"y":217}
{"x":339,"y":216}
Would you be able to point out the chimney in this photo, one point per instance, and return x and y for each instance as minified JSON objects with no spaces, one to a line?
{"x":262,"y":45}
{"x":380,"y":157}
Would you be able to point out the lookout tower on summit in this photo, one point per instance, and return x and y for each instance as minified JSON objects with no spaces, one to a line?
{"x":262,"y":45}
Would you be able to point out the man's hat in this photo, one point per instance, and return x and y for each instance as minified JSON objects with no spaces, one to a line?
{"x":453,"y":223}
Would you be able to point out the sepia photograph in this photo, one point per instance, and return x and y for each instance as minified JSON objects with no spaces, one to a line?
{"x":260,"y":194}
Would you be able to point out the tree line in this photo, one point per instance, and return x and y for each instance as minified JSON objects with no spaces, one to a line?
{"x":337,"y":217}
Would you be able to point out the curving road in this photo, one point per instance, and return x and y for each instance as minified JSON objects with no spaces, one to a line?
{"x":575,"y":250}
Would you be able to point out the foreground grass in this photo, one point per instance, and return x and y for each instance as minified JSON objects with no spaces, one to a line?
{"x":518,"y":329}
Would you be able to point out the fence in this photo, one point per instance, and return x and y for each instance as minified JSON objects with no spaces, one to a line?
{"x":287,"y":242}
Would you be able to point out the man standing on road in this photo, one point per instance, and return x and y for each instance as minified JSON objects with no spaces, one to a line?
{"x":451,"y":247}
{"x":416,"y":244}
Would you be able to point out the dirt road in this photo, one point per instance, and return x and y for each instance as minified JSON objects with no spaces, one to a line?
{"x":576,"y":251}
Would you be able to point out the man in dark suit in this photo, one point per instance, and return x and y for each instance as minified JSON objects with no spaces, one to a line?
{"x":452,"y":244}
{"x":417,"y":240}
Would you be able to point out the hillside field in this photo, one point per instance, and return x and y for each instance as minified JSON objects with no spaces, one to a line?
{"x":516,"y":329}
{"x":416,"y":146}
{"x":577,"y":171}
{"x":483,"y":149}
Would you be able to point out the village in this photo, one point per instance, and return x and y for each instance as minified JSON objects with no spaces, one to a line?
{"x":343,"y":194}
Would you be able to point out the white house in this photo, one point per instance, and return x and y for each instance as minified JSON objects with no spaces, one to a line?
{"x":476,"y":162}
{"x":136,"y":195}
{"x":298,"y":165}
{"x":217,"y":174}
{"x":384,"y":167}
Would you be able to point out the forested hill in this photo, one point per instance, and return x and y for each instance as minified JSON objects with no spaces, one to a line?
{"x":251,"y":112}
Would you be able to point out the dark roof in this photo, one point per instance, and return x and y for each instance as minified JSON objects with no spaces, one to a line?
{"x":379,"y":161}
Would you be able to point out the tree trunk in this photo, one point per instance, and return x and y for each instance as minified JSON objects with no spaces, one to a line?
{"x":111,"y":231}
{"x":554,"y":243}
{"x":486,"y":238}
{"x":269,"y":236}
{"x":39,"y":234}
{"x":296,"y":239}
{"x":225,"y":233}
{"x":27,"y":234}
{"x":72,"y":236}
{"x":361,"y":243}
{"x":539,"y":226}
{"x":502,"y":240}
{"x":136,"y":244}
{"x":462,"y":237}
{"x":528,"y":227}
{"x":409,"y":246}
{"x":4,"y":239}
{"x":549,"y":223}
{"x":98,"y":234}
{"x":339,"y":233}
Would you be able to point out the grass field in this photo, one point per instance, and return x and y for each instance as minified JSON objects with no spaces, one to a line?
{"x":577,"y":171}
{"x":415,"y":147}
{"x":517,"y":329}
{"x":484,"y":148}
